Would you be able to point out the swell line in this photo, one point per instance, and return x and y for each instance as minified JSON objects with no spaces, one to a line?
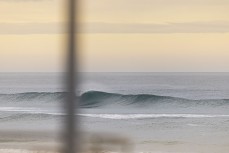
{"x":94,"y":99}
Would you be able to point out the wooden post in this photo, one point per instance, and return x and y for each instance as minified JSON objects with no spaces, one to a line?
{"x":71,"y":135}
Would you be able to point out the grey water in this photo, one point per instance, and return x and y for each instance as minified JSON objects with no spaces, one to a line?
{"x":158,"y":112}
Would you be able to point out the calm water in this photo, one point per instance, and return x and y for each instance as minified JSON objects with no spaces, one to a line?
{"x":158,"y":112}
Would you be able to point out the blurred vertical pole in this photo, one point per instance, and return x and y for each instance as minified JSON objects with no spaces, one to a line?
{"x":72,"y":102}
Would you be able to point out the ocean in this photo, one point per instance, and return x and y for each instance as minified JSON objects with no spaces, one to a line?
{"x":153,"y":112}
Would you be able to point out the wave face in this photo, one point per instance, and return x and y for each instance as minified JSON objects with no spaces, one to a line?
{"x":97,"y":99}
{"x":93,"y":99}
{"x":97,"y":104}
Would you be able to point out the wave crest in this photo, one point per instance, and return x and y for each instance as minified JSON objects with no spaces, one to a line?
{"x":97,"y":99}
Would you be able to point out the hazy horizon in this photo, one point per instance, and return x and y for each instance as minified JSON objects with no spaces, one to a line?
{"x":117,"y":36}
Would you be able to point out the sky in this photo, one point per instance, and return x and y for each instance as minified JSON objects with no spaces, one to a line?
{"x":117,"y":35}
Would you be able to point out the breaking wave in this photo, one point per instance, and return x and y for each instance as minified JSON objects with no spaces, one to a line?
{"x":95,"y":99}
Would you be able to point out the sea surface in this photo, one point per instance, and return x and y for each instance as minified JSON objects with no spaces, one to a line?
{"x":152,"y":112}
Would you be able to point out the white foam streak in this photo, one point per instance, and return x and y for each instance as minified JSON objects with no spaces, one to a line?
{"x":30,"y":110}
{"x":148,"y":116}
{"x":112,"y":116}
{"x":22,"y":151}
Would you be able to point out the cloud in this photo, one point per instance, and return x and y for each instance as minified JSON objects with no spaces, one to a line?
{"x":100,"y":27}
{"x":186,"y":27}
{"x":32,"y":28}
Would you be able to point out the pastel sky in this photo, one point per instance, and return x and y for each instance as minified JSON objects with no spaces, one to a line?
{"x":117,"y":35}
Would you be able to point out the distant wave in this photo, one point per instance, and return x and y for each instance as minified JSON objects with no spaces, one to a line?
{"x":33,"y":96}
{"x":94,"y":99}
